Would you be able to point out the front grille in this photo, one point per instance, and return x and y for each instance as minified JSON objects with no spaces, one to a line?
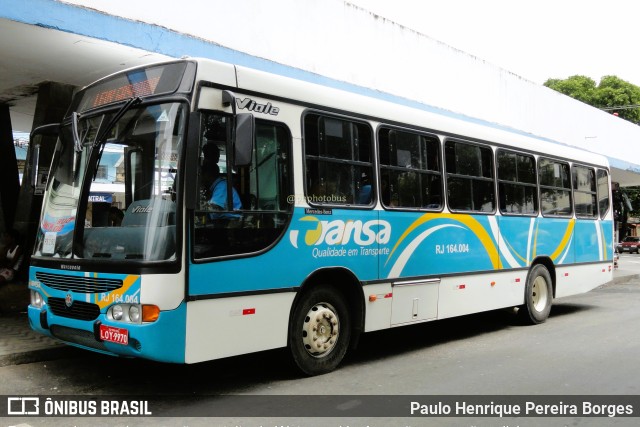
{"x":85,"y":285}
{"x":77,"y":336}
{"x":79,"y":309}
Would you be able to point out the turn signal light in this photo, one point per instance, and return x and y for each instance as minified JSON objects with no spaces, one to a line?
{"x":150,"y":313}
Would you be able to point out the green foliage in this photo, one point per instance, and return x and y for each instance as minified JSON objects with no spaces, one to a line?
{"x":610,"y":92}
{"x":634,"y":196}
{"x":581,"y":88}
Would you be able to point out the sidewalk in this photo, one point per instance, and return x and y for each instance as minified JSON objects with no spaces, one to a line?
{"x":20,"y":344}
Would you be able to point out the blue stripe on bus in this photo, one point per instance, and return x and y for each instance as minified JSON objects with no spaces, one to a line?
{"x":377,"y":245}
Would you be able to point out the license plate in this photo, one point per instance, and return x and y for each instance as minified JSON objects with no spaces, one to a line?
{"x":116,"y":335}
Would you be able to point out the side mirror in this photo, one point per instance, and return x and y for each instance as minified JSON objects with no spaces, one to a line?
{"x":35,"y":141}
{"x":245,"y":132}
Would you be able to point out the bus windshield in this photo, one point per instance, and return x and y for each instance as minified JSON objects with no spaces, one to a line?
{"x":110,"y":193}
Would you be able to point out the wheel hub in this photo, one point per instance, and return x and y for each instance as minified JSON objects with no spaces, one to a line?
{"x":539,"y":293}
{"x":320,"y":330}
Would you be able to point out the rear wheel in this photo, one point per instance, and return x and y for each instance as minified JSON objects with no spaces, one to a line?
{"x":538,"y":296}
{"x":319,"y":331}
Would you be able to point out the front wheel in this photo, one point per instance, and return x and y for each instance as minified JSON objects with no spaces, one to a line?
{"x":538,"y":296}
{"x":319,"y":331}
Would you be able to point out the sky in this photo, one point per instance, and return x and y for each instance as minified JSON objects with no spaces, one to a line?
{"x":535,"y":39}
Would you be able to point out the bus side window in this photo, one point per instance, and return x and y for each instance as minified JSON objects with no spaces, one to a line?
{"x":259,"y":208}
{"x":584,"y":192}
{"x":517,"y":188}
{"x":470,"y":183}
{"x":338,"y":161}
{"x":603,"y":192}
{"x":410,"y":170}
{"x":555,"y":188}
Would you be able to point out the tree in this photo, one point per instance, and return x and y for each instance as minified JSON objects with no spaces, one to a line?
{"x":581,"y":88}
{"x":611,"y":92}
{"x":615,"y":92}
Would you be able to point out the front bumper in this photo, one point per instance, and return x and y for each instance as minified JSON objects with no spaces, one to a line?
{"x":162,"y":340}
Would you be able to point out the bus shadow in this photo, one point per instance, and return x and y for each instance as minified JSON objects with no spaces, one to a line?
{"x":563,"y":309}
{"x":430,"y":334}
{"x":241,"y":374}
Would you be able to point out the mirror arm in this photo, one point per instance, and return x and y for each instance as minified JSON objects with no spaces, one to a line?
{"x":229,"y":99}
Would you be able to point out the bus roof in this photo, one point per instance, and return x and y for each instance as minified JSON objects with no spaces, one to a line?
{"x":390,"y":109}
{"x":381,"y":107}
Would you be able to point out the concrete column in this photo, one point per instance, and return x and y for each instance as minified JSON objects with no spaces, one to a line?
{"x":8,"y":171}
{"x":51,"y":105}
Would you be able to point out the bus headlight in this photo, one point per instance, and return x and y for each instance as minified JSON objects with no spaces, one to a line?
{"x":36,"y":299}
{"x":117,"y":312}
{"x":134,"y":313}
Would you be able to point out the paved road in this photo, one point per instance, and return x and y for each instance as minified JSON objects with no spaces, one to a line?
{"x":629,"y":264}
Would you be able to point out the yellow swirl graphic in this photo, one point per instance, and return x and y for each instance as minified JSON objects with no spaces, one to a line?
{"x":118,"y":294}
{"x":471,"y":223}
{"x":565,"y":240}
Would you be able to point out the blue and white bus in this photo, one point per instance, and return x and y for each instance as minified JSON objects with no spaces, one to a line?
{"x":261,"y":212}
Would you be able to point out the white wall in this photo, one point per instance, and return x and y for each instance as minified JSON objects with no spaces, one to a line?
{"x":341,"y":41}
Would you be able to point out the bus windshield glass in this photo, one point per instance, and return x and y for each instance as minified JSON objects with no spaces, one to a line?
{"x":112,"y":197}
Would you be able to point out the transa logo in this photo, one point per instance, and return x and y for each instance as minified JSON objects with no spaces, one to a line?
{"x":339,"y":232}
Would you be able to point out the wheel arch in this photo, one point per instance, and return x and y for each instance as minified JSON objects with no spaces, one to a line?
{"x":345,"y":282}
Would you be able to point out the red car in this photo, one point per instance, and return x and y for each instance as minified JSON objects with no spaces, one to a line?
{"x":629,"y":244}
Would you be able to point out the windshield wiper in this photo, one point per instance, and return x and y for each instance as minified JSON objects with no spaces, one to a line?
{"x":104,"y":131}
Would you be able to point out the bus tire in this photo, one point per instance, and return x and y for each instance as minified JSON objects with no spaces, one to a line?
{"x":319,"y":331}
{"x":538,"y":296}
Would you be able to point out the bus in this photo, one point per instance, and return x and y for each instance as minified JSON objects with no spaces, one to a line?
{"x":258,"y":211}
